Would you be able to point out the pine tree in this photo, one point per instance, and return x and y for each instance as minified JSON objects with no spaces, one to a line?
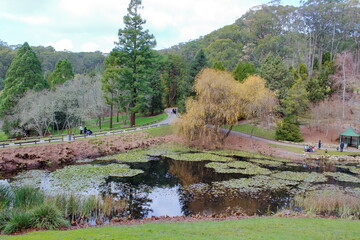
{"x":135,"y":57}
{"x":62,"y":72}
{"x":218,"y":66}
{"x":243,"y":70}
{"x":24,"y":73}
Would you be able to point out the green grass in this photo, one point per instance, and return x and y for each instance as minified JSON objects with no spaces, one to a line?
{"x":317,"y":151}
{"x":3,"y":136}
{"x":253,"y":228}
{"x":257,"y":131}
{"x":160,"y":131}
{"x":140,"y":119}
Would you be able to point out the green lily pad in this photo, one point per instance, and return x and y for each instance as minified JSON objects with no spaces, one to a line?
{"x":343,"y":177}
{"x":300,"y":176}
{"x":238,"y":167}
{"x":199,"y":157}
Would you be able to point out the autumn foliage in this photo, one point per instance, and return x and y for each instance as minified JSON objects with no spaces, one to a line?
{"x":221,"y":100}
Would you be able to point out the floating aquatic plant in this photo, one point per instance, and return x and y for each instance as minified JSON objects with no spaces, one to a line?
{"x":198,"y":157}
{"x":270,"y":163}
{"x":29,"y":178}
{"x":87,"y":178}
{"x":300,"y":176}
{"x":354,"y":170}
{"x":343,"y":177}
{"x":256,"y":184}
{"x":238,"y":167}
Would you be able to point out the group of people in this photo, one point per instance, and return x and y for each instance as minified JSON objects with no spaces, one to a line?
{"x":85,"y":130}
{"x":308,"y":148}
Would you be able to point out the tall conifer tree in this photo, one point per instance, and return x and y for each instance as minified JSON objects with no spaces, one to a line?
{"x":135,"y":58}
{"x":24,"y":74}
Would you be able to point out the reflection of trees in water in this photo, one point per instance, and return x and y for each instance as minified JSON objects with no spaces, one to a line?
{"x":217,"y":201}
{"x":136,"y":189}
{"x":167,"y":173}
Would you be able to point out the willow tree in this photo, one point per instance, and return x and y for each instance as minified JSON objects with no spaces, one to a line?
{"x":221,"y":100}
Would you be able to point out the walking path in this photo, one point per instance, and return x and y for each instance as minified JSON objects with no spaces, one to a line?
{"x":167,"y":121}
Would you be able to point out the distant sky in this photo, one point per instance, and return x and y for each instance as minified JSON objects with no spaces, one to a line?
{"x":90,"y":25}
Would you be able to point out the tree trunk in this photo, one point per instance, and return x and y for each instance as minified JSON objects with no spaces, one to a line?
{"x":117,"y":116}
{"x":132,"y":119}
{"x":99,"y":122}
{"x":111,"y":116}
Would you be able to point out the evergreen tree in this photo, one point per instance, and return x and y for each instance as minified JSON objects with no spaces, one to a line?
{"x":200,"y":61}
{"x":243,"y":70}
{"x":296,"y":102}
{"x":135,"y":58}
{"x":277,"y":75}
{"x":218,"y":66}
{"x":288,"y":130}
{"x":24,"y":74}
{"x":62,"y":72}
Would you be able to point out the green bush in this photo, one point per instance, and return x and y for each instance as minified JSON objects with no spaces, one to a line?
{"x":27,"y":197}
{"x":19,"y":222}
{"x":47,"y":217}
{"x":5,"y":217}
{"x":288,"y":129}
{"x":6,"y":196}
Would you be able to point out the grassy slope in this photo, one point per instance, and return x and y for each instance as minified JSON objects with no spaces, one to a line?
{"x":317,"y":151}
{"x":254,"y":228}
{"x":140,"y":119}
{"x":257,"y":131}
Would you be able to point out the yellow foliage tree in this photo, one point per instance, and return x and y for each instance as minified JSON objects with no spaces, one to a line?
{"x":221,"y":100}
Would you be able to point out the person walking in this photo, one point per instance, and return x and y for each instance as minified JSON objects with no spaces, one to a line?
{"x":81,"y":129}
{"x":342,"y":146}
{"x":319,"y":144}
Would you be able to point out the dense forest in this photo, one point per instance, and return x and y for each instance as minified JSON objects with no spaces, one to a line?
{"x":83,"y":62}
{"x":308,"y":56}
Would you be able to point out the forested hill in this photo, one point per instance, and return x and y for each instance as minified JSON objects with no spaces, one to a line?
{"x":82,"y":62}
{"x":297,"y":34}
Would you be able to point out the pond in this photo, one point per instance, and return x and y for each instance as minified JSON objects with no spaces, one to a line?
{"x":177,"y":181}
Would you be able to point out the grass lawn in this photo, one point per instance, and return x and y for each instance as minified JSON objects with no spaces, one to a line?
{"x":3,"y":136}
{"x":259,"y":132}
{"x":317,"y":151}
{"x":253,"y":228}
{"x":160,"y":131}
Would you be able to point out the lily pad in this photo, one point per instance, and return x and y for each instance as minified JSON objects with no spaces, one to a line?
{"x":87,"y":178}
{"x":270,"y":163}
{"x":343,"y":177}
{"x":238,"y":167}
{"x":199,"y":157}
{"x":300,"y":176}
{"x":256,"y":184}
{"x":354,"y":170}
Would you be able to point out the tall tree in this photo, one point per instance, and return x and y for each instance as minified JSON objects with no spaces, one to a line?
{"x":24,"y":74}
{"x":135,"y":57}
{"x":63,"y":71}
{"x":243,"y":70}
{"x":276,"y":73}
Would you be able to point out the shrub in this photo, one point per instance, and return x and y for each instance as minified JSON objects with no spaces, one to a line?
{"x":47,"y":217}
{"x":6,"y":196}
{"x":329,"y":202}
{"x":27,"y":197}
{"x":288,"y":129}
{"x":19,"y":222}
{"x":5,"y":217}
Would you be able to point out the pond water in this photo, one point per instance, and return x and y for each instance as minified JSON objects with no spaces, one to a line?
{"x":188,"y":183}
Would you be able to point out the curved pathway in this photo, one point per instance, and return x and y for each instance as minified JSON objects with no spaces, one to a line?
{"x":167,"y":121}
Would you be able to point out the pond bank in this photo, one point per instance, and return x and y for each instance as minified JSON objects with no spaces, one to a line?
{"x":59,"y":154}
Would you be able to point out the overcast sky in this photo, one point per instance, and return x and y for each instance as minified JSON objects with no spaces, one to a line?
{"x":90,"y":25}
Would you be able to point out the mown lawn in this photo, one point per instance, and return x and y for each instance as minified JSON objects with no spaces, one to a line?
{"x":253,"y":228}
{"x":317,"y":151}
{"x":256,"y":131}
